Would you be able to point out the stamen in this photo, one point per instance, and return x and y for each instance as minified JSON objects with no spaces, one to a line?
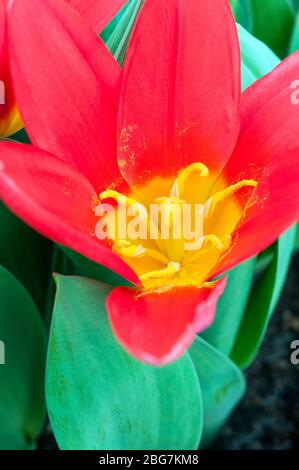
{"x":180,"y":182}
{"x":214,"y":240}
{"x":125,"y":248}
{"x":229,"y":191}
{"x":219,"y":244}
{"x":138,"y":209}
{"x":171,"y":270}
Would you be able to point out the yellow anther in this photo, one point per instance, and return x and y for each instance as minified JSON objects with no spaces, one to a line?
{"x":215,"y":241}
{"x":138,"y":209}
{"x":171,"y":270}
{"x":183,"y":176}
{"x":128,"y":250}
{"x":229,"y":191}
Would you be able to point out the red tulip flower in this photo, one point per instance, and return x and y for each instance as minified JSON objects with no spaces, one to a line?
{"x":169,"y":128}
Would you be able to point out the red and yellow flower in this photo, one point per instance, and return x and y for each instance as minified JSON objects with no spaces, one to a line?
{"x":170,"y":127}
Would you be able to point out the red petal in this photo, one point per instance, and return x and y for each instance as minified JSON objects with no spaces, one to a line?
{"x":56,"y":200}
{"x":268,"y":152}
{"x":7,"y":98}
{"x":158,"y":326}
{"x":67,"y":86}
{"x":98,"y":13}
{"x":2,"y":23}
{"x":180,"y":95}
{"x":3,"y":65}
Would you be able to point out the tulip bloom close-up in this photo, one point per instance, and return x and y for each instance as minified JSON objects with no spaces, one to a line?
{"x":169,"y":130}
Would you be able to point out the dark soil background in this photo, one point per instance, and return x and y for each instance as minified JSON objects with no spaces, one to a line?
{"x":268,"y":416}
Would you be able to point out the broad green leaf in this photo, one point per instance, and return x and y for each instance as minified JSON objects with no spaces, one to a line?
{"x":62,"y":264}
{"x":294,"y":42}
{"x":26,"y":254}
{"x":117,"y":34}
{"x":263,"y":301}
{"x":22,"y":404}
{"x":257,"y":58}
{"x":273,"y":23}
{"x":265,"y":258}
{"x":222,"y":384}
{"x":231,"y":306}
{"x":296,"y":4}
{"x":99,"y":397}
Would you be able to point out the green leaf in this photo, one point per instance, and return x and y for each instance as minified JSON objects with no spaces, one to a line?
{"x":117,"y":34}
{"x":263,"y":301}
{"x":25,"y":254}
{"x":242,"y":10}
{"x":222,"y":384}
{"x":62,"y":264}
{"x":265,"y":258}
{"x":231,"y":306}
{"x":257,"y":58}
{"x":22,"y":404}
{"x":21,"y":136}
{"x":109,"y":29}
{"x":101,"y":398}
{"x":294,"y":42}
{"x":273,"y":23}
{"x":296,"y":245}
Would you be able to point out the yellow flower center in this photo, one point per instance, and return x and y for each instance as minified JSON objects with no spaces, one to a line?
{"x":178,"y":238}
